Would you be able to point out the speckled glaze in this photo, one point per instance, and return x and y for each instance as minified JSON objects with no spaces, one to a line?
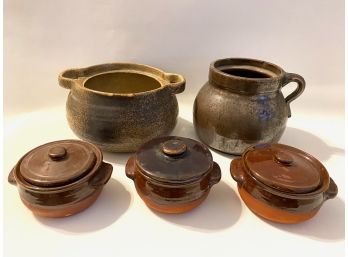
{"x":63,"y":200}
{"x":119,"y":106}
{"x":242,"y":104}
{"x":275,"y":204}
{"x":173,"y":191}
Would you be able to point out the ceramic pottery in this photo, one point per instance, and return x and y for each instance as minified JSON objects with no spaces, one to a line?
{"x":281,"y":183}
{"x":120,"y":106}
{"x":60,"y":178}
{"x":242,"y":104}
{"x":173,"y":174}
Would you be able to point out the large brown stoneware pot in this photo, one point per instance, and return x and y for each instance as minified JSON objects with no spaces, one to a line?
{"x":282,"y":183}
{"x":120,"y":106}
{"x":60,"y":178}
{"x":173,"y":174}
{"x":242,"y":104}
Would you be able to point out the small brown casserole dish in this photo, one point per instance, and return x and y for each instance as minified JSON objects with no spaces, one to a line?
{"x":281,"y":183}
{"x":173,"y":174}
{"x":60,"y":178}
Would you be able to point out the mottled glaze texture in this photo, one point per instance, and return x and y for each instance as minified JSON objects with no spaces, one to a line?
{"x":242,"y":104}
{"x":178,"y":193}
{"x":278,"y":205}
{"x":63,"y":200}
{"x":120,"y":106}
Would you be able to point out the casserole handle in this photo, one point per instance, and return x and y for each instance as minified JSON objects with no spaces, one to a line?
{"x":176,"y":82}
{"x":103,"y":175}
{"x":301,"y":84}
{"x":130,"y":167}
{"x":69,"y":77}
{"x":236,"y":170}
{"x":332,"y":191}
{"x":11,"y":178}
{"x":215,"y":174}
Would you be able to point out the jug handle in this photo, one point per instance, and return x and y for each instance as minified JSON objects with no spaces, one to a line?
{"x":176,"y":82}
{"x":301,"y":84}
{"x":69,"y":77}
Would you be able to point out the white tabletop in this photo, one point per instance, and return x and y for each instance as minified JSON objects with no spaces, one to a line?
{"x":119,"y":223}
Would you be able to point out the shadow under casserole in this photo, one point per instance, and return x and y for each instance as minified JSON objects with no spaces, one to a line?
{"x":245,"y":73}
{"x":122,"y":83}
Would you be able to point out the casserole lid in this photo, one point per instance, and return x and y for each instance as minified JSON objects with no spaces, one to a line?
{"x":284,"y":168}
{"x":174,"y":159}
{"x":57,"y":163}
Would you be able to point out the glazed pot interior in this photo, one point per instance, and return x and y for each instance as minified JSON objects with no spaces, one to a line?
{"x":122,"y":83}
{"x":248,"y":68}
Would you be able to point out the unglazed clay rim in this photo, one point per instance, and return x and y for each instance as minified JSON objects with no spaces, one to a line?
{"x":321,"y":188}
{"x":134,"y":68}
{"x":33,"y":188}
{"x":215,"y":69}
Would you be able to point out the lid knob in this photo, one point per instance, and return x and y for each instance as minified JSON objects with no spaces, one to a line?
{"x":57,"y":153}
{"x":174,"y":147}
{"x":283,"y":158}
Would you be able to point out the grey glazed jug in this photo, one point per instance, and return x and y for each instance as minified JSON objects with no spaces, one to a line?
{"x":242,"y":104}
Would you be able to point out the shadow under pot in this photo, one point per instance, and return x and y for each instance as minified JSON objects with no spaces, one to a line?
{"x":281,"y":183}
{"x":173,"y":174}
{"x":242,"y":104}
{"x":60,"y":178}
{"x":120,"y":106}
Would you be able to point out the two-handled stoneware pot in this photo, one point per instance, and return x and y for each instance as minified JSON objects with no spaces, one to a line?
{"x":242,"y":104}
{"x":282,"y":183}
{"x":60,"y":178}
{"x":120,"y":106}
{"x":173,"y":174}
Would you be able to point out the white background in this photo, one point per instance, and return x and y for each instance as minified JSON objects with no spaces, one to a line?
{"x":42,"y":38}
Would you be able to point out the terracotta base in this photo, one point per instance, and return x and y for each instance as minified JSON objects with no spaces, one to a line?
{"x":173,"y":208}
{"x":65,"y":210}
{"x":273,"y":214}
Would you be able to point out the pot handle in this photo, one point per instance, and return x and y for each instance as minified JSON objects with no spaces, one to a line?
{"x":332,"y":191}
{"x":130,"y":167}
{"x":236,"y":171}
{"x":176,"y":82}
{"x":11,"y":178}
{"x":301,"y":84}
{"x":215,"y":175}
{"x":103,"y":175}
{"x":69,"y":77}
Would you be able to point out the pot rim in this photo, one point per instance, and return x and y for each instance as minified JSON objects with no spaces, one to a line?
{"x":214,"y":68}
{"x":20,"y":181}
{"x":79,"y":76}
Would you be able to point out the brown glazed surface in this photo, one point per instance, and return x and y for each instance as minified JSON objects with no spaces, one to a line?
{"x":280,"y":205}
{"x":179,"y":192}
{"x":242,"y":104}
{"x":60,"y":211}
{"x":120,"y":106}
{"x":272,"y":213}
{"x":63,"y":199}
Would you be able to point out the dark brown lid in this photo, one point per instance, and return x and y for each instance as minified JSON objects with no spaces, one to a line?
{"x":174,"y":159}
{"x":284,"y":168}
{"x":57,"y":163}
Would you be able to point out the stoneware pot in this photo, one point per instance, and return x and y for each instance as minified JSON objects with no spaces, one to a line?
{"x":120,"y":106}
{"x":173,"y":174}
{"x":281,"y":183}
{"x":60,"y":178}
{"x":242,"y":104}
